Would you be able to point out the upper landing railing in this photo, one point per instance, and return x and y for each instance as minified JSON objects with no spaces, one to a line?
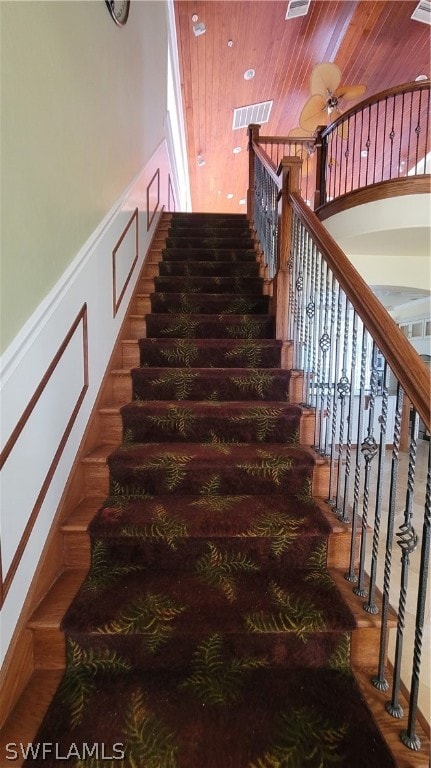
{"x":384,"y":138}
{"x":369,"y":392}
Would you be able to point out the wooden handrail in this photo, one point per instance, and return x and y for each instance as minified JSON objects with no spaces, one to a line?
{"x":402,"y":359}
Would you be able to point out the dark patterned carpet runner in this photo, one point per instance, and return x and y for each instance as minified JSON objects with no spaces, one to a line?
{"x":208,"y":633}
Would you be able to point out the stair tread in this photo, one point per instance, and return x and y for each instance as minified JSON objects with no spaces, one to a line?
{"x":50,"y":611}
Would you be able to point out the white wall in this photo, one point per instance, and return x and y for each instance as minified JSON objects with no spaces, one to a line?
{"x":84,"y":134}
{"x":83,"y":107}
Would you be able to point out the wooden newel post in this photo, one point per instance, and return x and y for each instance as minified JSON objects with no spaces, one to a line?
{"x":290,"y":171}
{"x":253,"y":137}
{"x":320,"y":190}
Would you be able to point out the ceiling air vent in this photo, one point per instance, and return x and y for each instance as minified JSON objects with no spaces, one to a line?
{"x":297,"y":8}
{"x":422,"y":12}
{"x":253,"y":113}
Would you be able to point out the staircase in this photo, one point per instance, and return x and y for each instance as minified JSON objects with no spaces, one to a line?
{"x":208,"y":632}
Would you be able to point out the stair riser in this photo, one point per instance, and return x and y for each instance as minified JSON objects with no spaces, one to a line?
{"x":157,"y":384}
{"x":209,"y":303}
{"x":199,"y":253}
{"x":141,"y":305}
{"x":208,"y":269}
{"x":192,"y":354}
{"x":148,"y":428}
{"x":233,"y":480}
{"x":201,"y":327}
{"x":235,"y":285}
{"x":280,"y":651}
{"x":209,"y":242}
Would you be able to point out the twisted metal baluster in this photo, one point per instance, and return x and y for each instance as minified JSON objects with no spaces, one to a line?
{"x":330,"y":389}
{"x":290,"y":269}
{"x":370,"y":606}
{"x":299,"y":285}
{"x":332,"y":500}
{"x":351,"y":575}
{"x":325,"y":346}
{"x":409,"y":737}
{"x":343,"y":389}
{"x":344,"y":515}
{"x":313,"y":314}
{"x":407,"y":541}
{"x":318,"y":380}
{"x":380,"y":682}
{"x":305,"y":294}
{"x":369,"y":449}
{"x":310,"y":312}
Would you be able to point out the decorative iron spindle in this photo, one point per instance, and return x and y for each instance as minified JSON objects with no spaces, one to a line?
{"x":370,"y":606}
{"x":343,"y":389}
{"x":380,"y":681}
{"x":407,"y":541}
{"x":351,"y":575}
{"x":332,"y":500}
{"x":408,"y":736}
{"x":266,"y":214}
{"x":369,"y":449}
{"x":344,"y":515}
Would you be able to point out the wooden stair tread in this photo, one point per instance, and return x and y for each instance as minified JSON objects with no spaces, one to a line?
{"x":82,"y":514}
{"x":364,"y":620}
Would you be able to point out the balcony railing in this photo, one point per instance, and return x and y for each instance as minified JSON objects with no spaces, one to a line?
{"x":369,"y":392}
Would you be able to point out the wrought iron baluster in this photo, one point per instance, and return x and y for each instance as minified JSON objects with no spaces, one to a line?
{"x":380,"y":681}
{"x":351,"y":575}
{"x":325,"y":346}
{"x":408,"y":736}
{"x":376,"y":135}
{"x":370,"y":606}
{"x":332,"y":499}
{"x":306,"y":294}
{"x":392,"y":137}
{"x":344,"y":516}
{"x":355,"y":152}
{"x":343,"y":389}
{"x":315,"y":318}
{"x":401,"y":136}
{"x":310,"y":312}
{"x":331,"y":374}
{"x":369,"y":449}
{"x":418,"y":129}
{"x":407,"y":541}
{"x":368,"y":144}
{"x":318,"y":380}
{"x":384,"y":142}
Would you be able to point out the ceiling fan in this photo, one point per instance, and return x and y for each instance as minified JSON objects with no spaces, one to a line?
{"x":322,"y":108}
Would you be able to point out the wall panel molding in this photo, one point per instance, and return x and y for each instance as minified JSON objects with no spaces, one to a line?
{"x":79,"y":324}
{"x":153,"y":192}
{"x":117,"y":295}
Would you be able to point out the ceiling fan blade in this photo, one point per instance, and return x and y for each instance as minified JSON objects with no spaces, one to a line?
{"x":299,"y":133}
{"x":313,"y":113}
{"x":350,"y":92}
{"x":325,"y":79}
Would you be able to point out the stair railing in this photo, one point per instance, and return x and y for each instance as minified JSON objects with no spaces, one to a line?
{"x":369,"y":391}
{"x":383,"y":138}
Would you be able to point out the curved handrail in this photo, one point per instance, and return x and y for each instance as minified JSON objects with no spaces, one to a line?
{"x":381,"y":96}
{"x":382,"y":138}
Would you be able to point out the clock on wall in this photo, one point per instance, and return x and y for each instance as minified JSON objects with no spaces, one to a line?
{"x":119,"y":10}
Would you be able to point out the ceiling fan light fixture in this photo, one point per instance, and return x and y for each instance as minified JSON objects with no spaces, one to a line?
{"x":199,"y":28}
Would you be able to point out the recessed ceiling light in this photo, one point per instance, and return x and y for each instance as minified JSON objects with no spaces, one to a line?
{"x":200,"y":160}
{"x":229,"y":196}
{"x":419,"y":78}
{"x":229,"y":43}
{"x":242,"y":201}
{"x":249,"y":74}
{"x":195,"y":17}
{"x":199,"y":28}
{"x":364,"y":152}
{"x":236,"y":150}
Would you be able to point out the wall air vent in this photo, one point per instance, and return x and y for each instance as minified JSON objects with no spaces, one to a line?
{"x":297,"y":8}
{"x":253,"y":113}
{"x":422,"y":12}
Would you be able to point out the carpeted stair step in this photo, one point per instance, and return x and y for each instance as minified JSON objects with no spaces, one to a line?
{"x":201,"y":326}
{"x":237,"y":714}
{"x":209,"y":353}
{"x":160,"y":421}
{"x":222,"y":384}
{"x":187,"y":468}
{"x":208,"y":303}
{"x":205,"y":253}
{"x":210,"y":241}
{"x":209,"y":284}
{"x":209,"y":268}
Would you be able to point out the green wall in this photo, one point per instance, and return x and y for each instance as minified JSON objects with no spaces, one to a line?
{"x":83,"y":104}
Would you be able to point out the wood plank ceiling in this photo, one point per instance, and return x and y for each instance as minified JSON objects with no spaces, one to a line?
{"x":375,"y":43}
